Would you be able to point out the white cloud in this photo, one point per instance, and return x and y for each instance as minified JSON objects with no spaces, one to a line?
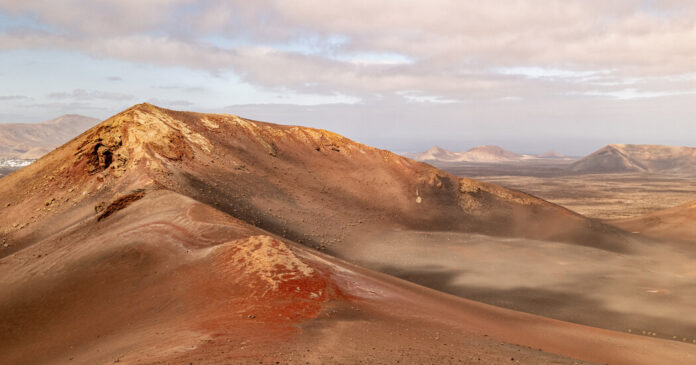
{"x":81,"y":94}
{"x":455,"y":49}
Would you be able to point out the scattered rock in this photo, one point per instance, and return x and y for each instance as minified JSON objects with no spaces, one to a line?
{"x":121,"y":203}
{"x":99,"y":207}
{"x":121,"y":161}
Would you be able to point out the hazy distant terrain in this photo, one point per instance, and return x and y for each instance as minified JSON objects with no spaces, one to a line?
{"x":31,"y":141}
{"x":605,"y":196}
{"x":618,"y":181}
{"x":5,"y":170}
{"x":480,"y":154}
{"x":616,"y":158}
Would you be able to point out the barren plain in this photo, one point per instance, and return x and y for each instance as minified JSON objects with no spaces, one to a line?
{"x":602,"y":196}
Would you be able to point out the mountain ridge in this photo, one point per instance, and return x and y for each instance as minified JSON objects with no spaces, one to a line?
{"x":479,"y":154}
{"x":159,"y":143}
{"x":638,"y":158}
{"x":31,"y":141}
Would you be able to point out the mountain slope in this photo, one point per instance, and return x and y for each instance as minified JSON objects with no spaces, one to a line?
{"x":638,"y":158}
{"x":31,"y":141}
{"x":677,"y":223}
{"x":167,"y":279}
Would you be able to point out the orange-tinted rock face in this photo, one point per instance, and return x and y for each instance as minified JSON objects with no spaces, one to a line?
{"x":278,"y":285}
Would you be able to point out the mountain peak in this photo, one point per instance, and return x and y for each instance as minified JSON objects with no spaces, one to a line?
{"x":550,"y":154}
{"x":140,"y":131}
{"x":485,"y":153}
{"x":434,"y":149}
{"x":33,"y":140}
{"x":68,"y":119}
{"x":638,"y":158}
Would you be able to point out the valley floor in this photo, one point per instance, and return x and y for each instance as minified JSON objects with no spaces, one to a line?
{"x":603,"y":196}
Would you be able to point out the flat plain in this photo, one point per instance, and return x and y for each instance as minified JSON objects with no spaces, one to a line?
{"x":602,"y":196}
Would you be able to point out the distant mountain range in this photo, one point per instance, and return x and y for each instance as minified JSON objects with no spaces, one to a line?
{"x":615,"y":158}
{"x":24,"y":141}
{"x":483,"y":154}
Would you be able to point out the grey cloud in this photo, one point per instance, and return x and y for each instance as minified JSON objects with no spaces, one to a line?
{"x":455,"y":46}
{"x":188,"y":89}
{"x":69,"y":107}
{"x":100,"y":18}
{"x":13,"y":97}
{"x":82,"y":94}
{"x":170,"y":103}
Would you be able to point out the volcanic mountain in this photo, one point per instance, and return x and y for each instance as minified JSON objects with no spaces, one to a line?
{"x":638,"y":158}
{"x":31,"y":141}
{"x":488,"y":154}
{"x":161,"y":236}
{"x":550,"y":154}
{"x":311,"y":186}
{"x":436,"y":153}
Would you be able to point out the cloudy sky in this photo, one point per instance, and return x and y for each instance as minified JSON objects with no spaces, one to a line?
{"x":529,"y":75}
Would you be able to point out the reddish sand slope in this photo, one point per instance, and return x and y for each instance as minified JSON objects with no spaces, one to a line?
{"x":678,"y":223}
{"x":167,"y":279}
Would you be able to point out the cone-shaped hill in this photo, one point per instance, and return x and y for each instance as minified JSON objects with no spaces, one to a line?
{"x":616,"y":158}
{"x":309,"y":185}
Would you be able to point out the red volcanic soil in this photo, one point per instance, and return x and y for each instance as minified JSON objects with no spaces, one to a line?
{"x":170,"y":280}
{"x":170,"y":237}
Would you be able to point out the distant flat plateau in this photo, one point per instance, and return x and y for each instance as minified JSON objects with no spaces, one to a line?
{"x":602,"y":196}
